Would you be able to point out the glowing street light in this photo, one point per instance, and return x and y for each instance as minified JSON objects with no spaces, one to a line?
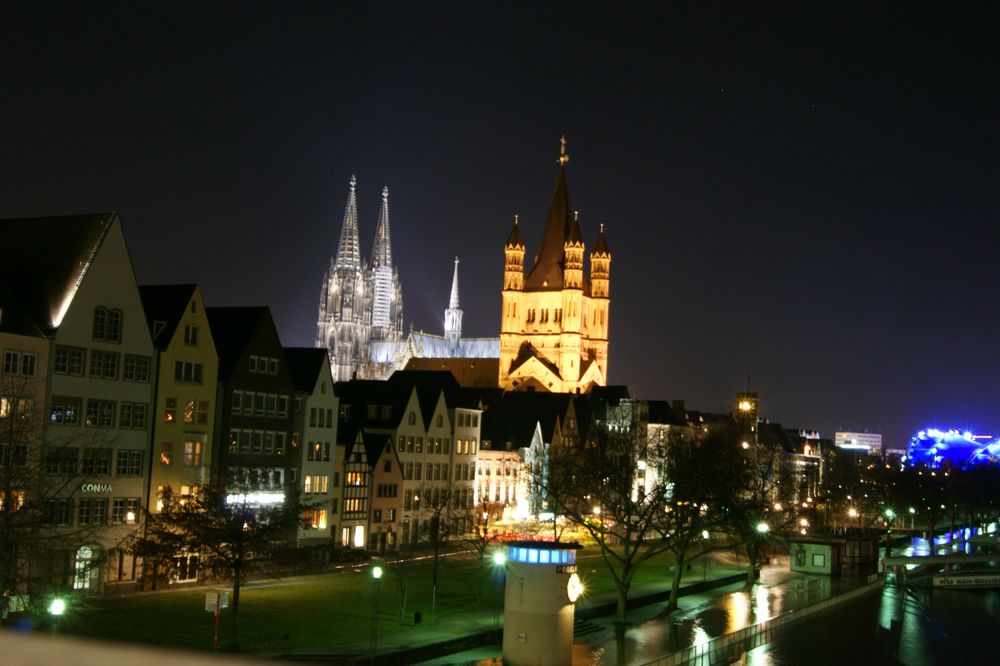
{"x":763,"y":528}
{"x":57,"y":607}
{"x":376,"y":580}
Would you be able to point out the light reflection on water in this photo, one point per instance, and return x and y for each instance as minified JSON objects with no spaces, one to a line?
{"x":707,"y":618}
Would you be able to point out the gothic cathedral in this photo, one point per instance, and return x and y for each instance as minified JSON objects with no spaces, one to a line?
{"x":360,"y":303}
{"x":554,"y":321}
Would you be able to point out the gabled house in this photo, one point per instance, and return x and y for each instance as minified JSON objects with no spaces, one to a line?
{"x":73,"y":281}
{"x":254,"y":405}
{"x":316,"y":474}
{"x":184,"y":409}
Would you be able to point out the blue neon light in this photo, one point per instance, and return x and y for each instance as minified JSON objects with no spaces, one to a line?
{"x":541,"y":555}
{"x":951,"y":449}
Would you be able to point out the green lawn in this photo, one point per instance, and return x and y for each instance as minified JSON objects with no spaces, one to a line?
{"x":327,"y":612}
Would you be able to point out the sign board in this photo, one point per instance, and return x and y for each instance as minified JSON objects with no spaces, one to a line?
{"x":95,"y":488}
{"x":967,"y":580}
{"x":566,"y":568}
{"x":216,"y":600}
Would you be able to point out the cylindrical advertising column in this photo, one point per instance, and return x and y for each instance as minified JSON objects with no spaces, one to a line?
{"x":542,"y":586}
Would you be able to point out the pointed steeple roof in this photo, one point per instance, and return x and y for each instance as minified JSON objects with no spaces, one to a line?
{"x":382,"y":252}
{"x":453,"y":301}
{"x":601,"y":246}
{"x":514,"y":240}
{"x":547,"y":272}
{"x":349,"y":250}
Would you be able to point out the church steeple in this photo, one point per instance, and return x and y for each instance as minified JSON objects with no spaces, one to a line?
{"x":382,"y":252}
{"x":453,"y":315}
{"x":547,"y":273}
{"x":349,"y":250}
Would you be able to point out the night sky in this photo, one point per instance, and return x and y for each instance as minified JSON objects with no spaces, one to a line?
{"x":805,"y":193}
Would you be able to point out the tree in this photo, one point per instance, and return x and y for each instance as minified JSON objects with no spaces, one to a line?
{"x":699,"y":471}
{"x":484,"y":517}
{"x":614,"y":487}
{"x":233,"y":534}
{"x":754,"y":497}
{"x":39,"y":476}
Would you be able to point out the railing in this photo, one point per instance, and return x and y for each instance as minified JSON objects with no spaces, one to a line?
{"x":730,"y":647}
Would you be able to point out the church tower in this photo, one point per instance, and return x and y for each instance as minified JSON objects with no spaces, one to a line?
{"x":359,"y":303}
{"x":453,"y":315}
{"x":554,"y":322}
{"x":343,"y":327}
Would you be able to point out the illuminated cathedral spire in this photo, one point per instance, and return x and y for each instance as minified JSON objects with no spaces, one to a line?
{"x":349,"y":250}
{"x":382,"y":252}
{"x":453,"y":315}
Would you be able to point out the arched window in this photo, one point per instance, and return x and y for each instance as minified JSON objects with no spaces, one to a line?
{"x":413,"y":418}
{"x":440,"y":421}
{"x":82,"y":568}
{"x":107,"y":324}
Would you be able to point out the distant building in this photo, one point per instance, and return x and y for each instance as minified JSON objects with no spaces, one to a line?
{"x":360,"y":302}
{"x":420,"y":350}
{"x":869,"y":443}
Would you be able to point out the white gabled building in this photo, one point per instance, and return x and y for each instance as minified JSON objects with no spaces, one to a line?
{"x":73,"y":277}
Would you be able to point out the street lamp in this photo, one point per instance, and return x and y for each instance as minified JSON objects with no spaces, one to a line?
{"x":376,"y":580}
{"x":56,"y":609}
{"x":499,"y":565}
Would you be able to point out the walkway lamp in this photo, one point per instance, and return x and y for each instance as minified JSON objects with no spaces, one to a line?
{"x":376,"y":582}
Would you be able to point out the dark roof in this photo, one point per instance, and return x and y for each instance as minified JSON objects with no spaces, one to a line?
{"x":375,"y":444}
{"x":468,"y":372}
{"x":44,"y":259}
{"x":601,"y":246}
{"x":232,"y":330}
{"x":13,"y":317}
{"x":528,"y":352}
{"x":547,"y":272}
{"x":513,"y":417}
{"x":165,"y":303}
{"x":612,"y":394}
{"x":514,"y":240}
{"x":660,"y":412}
{"x":305,"y":364}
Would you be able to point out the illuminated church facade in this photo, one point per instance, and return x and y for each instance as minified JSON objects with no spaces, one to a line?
{"x":360,"y":303}
{"x":554,"y":319}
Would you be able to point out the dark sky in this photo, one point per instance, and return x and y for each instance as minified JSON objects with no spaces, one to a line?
{"x":801,"y":192}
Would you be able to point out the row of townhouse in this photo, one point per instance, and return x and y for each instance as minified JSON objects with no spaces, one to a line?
{"x":112,"y":395}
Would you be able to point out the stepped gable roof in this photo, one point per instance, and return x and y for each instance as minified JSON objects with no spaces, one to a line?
{"x":232,"y":330}
{"x":547,"y":273}
{"x":468,"y":372}
{"x":304,"y":365}
{"x":165,"y":303}
{"x":44,"y":259}
{"x":13,"y":317}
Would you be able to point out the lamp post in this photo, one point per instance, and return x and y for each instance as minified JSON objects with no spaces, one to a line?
{"x":57,"y":607}
{"x":890,"y":515}
{"x":499,"y":564}
{"x":376,"y":581}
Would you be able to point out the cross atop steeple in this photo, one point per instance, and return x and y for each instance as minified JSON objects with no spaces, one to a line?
{"x":563,"y":156}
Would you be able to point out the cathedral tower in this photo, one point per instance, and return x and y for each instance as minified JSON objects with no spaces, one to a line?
{"x":359,"y":303}
{"x":554,"y":322}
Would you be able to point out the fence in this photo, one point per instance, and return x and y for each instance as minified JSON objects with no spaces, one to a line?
{"x":730,"y":647}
